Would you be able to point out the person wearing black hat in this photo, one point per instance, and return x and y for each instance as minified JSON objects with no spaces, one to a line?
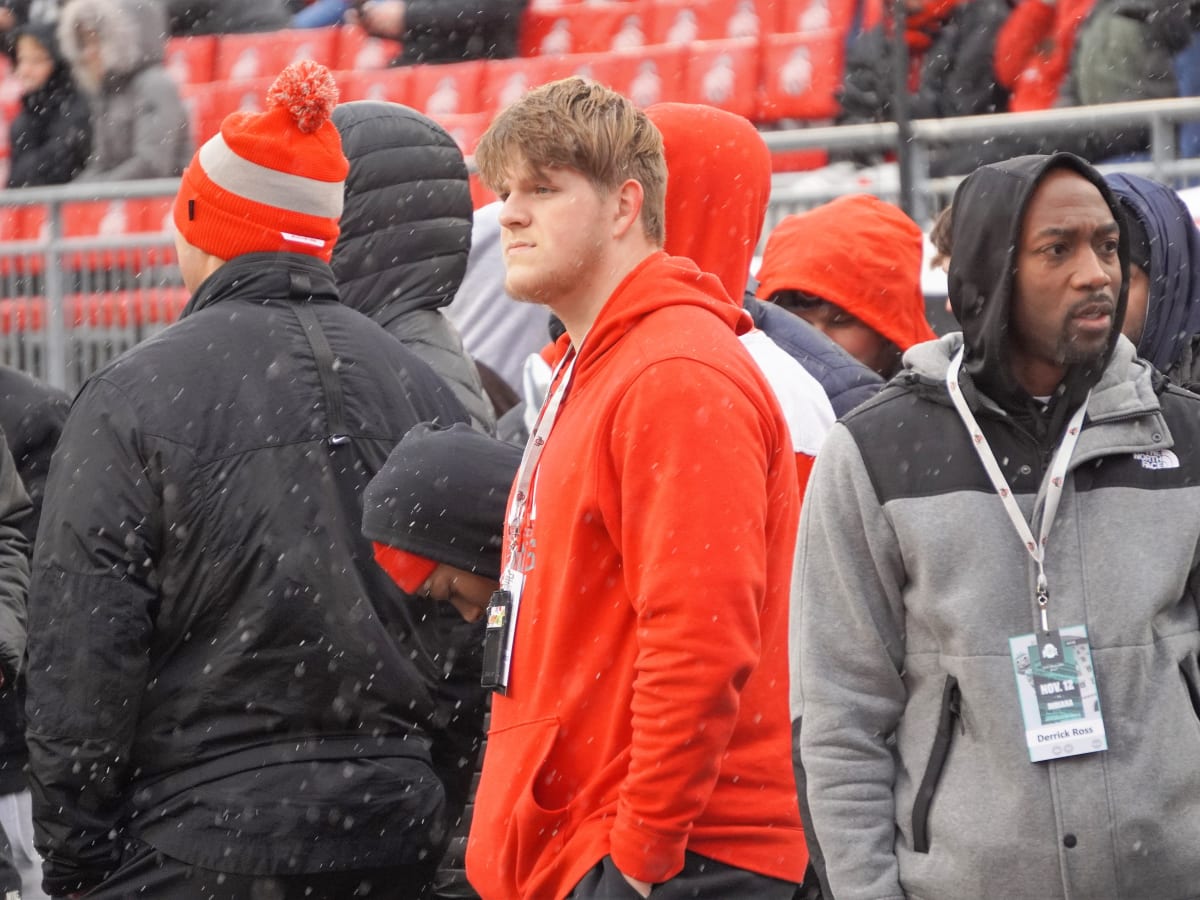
{"x":435,"y":513}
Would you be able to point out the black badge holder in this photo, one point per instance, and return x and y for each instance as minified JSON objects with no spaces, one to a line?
{"x":496,"y":641}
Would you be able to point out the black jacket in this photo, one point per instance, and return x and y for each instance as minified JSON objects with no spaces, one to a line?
{"x":219,"y":668}
{"x":226,"y":16}
{"x":32,"y":415}
{"x":51,"y":137}
{"x":406,"y":234}
{"x":441,"y":31}
{"x":845,"y":380}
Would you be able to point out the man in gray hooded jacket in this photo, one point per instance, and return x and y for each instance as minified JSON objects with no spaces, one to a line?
{"x":997,"y":690}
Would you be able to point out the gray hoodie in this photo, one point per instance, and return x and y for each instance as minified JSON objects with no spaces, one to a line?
{"x":140,"y":124}
{"x":914,"y":775}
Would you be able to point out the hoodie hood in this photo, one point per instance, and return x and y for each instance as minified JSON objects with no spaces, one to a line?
{"x":60,"y":79}
{"x":989,"y":207}
{"x":1173,"y":307}
{"x":718,"y":186}
{"x":406,"y":222}
{"x":659,"y":282}
{"x":133,"y":35}
{"x":858,"y":253}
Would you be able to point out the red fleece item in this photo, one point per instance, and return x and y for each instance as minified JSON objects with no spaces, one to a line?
{"x":862,"y":255}
{"x":408,"y":570}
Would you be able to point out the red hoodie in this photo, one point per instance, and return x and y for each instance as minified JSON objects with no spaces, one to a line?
{"x":718,"y":189}
{"x":647,"y":707}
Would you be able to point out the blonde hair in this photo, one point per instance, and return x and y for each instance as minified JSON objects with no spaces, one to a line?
{"x":580,"y":125}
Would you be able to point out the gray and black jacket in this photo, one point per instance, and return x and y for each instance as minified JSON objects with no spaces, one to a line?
{"x":406,"y":234}
{"x":914,"y":775}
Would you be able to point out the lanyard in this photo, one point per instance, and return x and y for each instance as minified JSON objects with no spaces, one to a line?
{"x":523,"y":496}
{"x":1052,"y":484}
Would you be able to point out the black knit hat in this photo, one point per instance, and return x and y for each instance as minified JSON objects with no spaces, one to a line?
{"x":441,"y":495}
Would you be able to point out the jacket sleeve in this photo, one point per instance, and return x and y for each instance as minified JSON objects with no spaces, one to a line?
{"x":958,"y":77}
{"x":440,"y":16}
{"x":15,"y":508}
{"x":866,"y":93}
{"x":693,"y":523}
{"x":91,"y":608}
{"x":847,"y":632}
{"x":159,"y":120}
{"x":1028,"y":26}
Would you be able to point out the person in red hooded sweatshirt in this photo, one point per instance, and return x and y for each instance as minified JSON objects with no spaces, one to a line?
{"x":640,"y":735}
{"x":718,"y":188}
{"x":1033,"y":50}
{"x":851,"y":268}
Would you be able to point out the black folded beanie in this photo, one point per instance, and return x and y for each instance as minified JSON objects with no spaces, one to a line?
{"x":440,"y":498}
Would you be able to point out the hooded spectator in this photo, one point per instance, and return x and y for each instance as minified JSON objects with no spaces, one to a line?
{"x":1163,"y":315}
{"x":718,"y":187}
{"x":51,"y":137}
{"x":140,"y":127}
{"x":851,"y":268}
{"x":406,"y":234}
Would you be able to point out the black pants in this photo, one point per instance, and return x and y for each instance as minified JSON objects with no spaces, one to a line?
{"x":701,"y":879}
{"x":145,"y":872}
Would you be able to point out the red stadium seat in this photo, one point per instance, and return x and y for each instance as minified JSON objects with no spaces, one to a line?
{"x":192,"y":59}
{"x":480,"y":195}
{"x":154,"y":306}
{"x":241,"y":57}
{"x":465,"y":128}
{"x":681,"y":22}
{"x":505,"y":80}
{"x":451,"y":89}
{"x":724,"y":74}
{"x":358,"y":50}
{"x":585,"y":28}
{"x":653,"y":75}
{"x":801,"y":76}
{"x":209,"y":104}
{"x":814,"y":15}
{"x":391,"y":85}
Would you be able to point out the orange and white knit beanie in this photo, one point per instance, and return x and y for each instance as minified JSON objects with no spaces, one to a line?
{"x":270,"y":181}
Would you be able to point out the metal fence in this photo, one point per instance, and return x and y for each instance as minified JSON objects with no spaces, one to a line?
{"x":88,"y":270}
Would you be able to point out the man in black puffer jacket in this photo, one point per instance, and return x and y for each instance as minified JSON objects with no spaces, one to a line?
{"x":227,"y":696}
{"x":406,"y":234}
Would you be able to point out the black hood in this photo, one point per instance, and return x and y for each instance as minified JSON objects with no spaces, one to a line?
{"x":989,"y":207}
{"x":406,"y":224}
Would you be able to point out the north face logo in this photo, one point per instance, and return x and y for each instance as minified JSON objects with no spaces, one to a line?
{"x":1158,"y":459}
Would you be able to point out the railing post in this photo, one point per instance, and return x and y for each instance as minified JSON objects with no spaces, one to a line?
{"x":1162,"y":147}
{"x":54,"y":289}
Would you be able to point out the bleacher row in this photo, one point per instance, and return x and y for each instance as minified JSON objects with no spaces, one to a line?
{"x":764,"y":59}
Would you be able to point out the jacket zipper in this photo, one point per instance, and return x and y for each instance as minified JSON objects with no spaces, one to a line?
{"x":951,"y":711}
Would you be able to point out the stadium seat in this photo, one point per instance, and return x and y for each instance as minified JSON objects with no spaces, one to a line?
{"x":192,"y":59}
{"x":681,"y":22}
{"x":801,"y":74}
{"x":723,"y":74}
{"x":451,"y":89}
{"x":505,"y":80}
{"x":241,"y":57}
{"x":208,"y":104}
{"x":358,"y":50}
{"x":814,"y":15}
{"x":391,"y":85}
{"x":465,"y":128}
{"x":584,"y":28}
{"x":652,"y":75}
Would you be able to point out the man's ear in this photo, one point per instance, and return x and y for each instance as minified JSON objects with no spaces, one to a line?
{"x":630,"y":197}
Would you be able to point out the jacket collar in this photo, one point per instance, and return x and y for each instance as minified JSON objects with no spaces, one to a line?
{"x":265,"y":276}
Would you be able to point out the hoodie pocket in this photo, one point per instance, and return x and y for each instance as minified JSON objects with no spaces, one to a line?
{"x":951,"y":713}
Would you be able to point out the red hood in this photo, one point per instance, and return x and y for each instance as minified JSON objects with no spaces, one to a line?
{"x":658,"y":282}
{"x":860,"y":254}
{"x":718,"y":185}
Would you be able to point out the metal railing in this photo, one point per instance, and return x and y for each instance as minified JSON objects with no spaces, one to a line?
{"x":68,"y":304}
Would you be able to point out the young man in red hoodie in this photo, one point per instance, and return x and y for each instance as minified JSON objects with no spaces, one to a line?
{"x":640,"y":730}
